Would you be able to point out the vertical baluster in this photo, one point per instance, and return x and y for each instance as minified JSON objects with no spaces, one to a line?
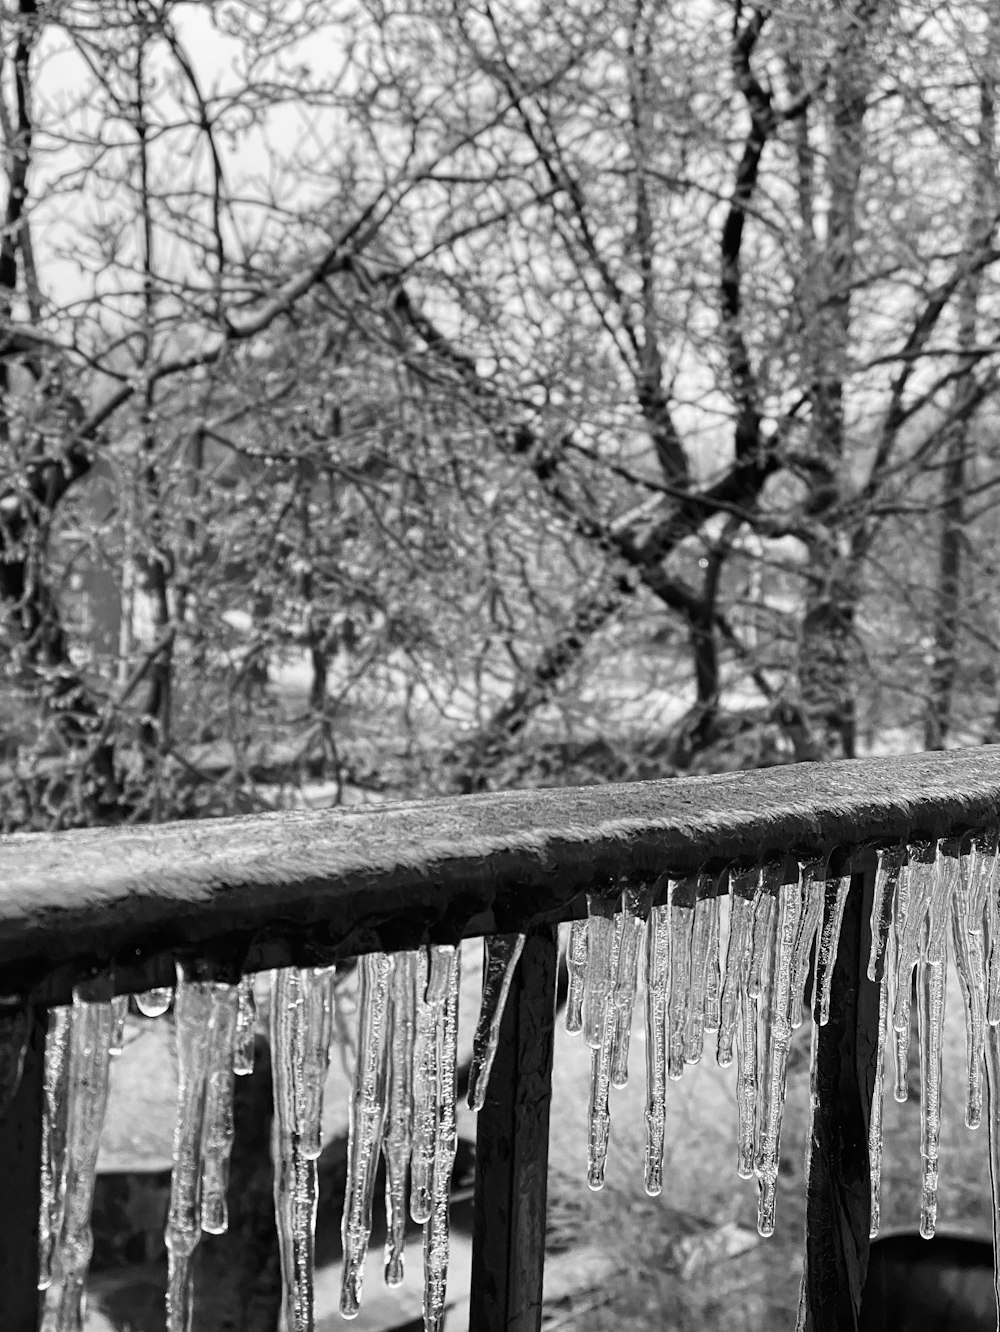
{"x":21,"y":1172}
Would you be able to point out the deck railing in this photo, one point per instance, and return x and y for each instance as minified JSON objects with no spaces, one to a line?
{"x":243,"y":894}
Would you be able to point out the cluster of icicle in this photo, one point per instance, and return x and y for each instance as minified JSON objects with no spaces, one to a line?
{"x":402,"y":1105}
{"x":782,"y":939}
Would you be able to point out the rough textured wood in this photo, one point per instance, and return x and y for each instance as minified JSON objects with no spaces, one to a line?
{"x":838,"y":1209}
{"x":20,"y":1170}
{"x":274,"y":887}
{"x":512,"y":1152}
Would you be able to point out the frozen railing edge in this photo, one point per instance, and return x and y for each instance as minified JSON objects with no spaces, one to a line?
{"x":263,"y":891}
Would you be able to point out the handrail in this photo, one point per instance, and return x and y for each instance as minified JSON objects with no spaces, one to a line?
{"x":267,"y":890}
{"x":302,"y":887}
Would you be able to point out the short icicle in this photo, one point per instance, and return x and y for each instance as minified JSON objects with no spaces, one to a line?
{"x":119,"y":1007}
{"x":443,"y":985}
{"x":812,"y":876}
{"x":885,"y":996}
{"x":599,"y":1109}
{"x":890,"y":862}
{"x":301,"y":1028}
{"x":967,"y":907}
{"x":777,"y":1037}
{"x":218,"y":1128}
{"x":500,"y":956}
{"x":829,"y":941}
{"x":576,"y":967}
{"x":931,"y":979}
{"x":367,"y":1122}
{"x":657,"y":975}
{"x":914,"y":902}
{"x":705,"y":930}
{"x":246,"y":1029}
{"x":682,"y":899}
{"x":154,"y":1003}
{"x":89,"y":1062}
{"x":635,"y":909}
{"x":746,"y":1038}
{"x":425,"y":1082}
{"x":398,"y":1138}
{"x":54,"y":1127}
{"x":742,"y":884}
{"x":193,"y":1020}
{"x":713,"y":977}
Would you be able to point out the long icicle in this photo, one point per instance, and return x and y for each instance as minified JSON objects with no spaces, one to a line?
{"x":576,"y":966}
{"x":742,"y":884}
{"x":657,"y":977}
{"x":301,"y":1026}
{"x":500,"y":956}
{"x":885,"y":1032}
{"x":425,"y":1080}
{"x":54,"y":1130}
{"x":635,"y":909}
{"x":218,"y":1127}
{"x":931,"y":977}
{"x":682,"y":899}
{"x":599,"y":1110}
{"x":90,"y":1058}
{"x":193,"y":1021}
{"x":705,"y":929}
{"x":967,"y":907}
{"x":445,"y":975}
{"x":777,"y":1036}
{"x":398,"y":1138}
{"x":993,"y":1123}
{"x":890,"y":862}
{"x":600,"y":973}
{"x":812,"y":876}
{"x":367,"y":1122}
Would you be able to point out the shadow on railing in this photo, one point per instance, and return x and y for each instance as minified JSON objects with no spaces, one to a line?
{"x":233,"y":896}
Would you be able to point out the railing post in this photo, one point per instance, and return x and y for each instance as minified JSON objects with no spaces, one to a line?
{"x":838,"y":1209}
{"x":512,"y":1151}
{"x":21,"y":1173}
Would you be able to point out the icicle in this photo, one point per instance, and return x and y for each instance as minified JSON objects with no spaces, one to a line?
{"x":705,"y":929}
{"x":500,"y":956}
{"x":746,"y":1033}
{"x":900,"y":1039}
{"x":635,"y":909}
{"x":397,"y":1142}
{"x":742,"y":884}
{"x":829,"y":942}
{"x":657,"y":976}
{"x":301,"y":1026}
{"x":777,"y":1038}
{"x":682,"y":898}
{"x":576,"y":965}
{"x":967,"y":905}
{"x":812,"y":876}
{"x":193,"y":1020}
{"x":218,"y":1128}
{"x":891,"y":860}
{"x":154,"y":1003}
{"x":713,"y":979}
{"x":913,"y":900}
{"x":885,"y":998}
{"x":930,"y":1021}
{"x":445,"y":971}
{"x":54,"y":1127}
{"x":600,"y":972}
{"x":760,"y":947}
{"x":246,"y":1029}
{"x":425,"y":1080}
{"x":367,"y":1122}
{"x":599,"y":1113}
{"x":90,"y":1045}
{"x":119,"y":1007}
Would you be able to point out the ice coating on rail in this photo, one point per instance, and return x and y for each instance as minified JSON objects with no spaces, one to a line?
{"x":445,"y":976}
{"x":55,"y":1108}
{"x":89,"y":1068}
{"x":500,"y":956}
{"x":218,"y":1127}
{"x":599,"y":976}
{"x":682,"y":899}
{"x":829,"y":942}
{"x":397,"y":1139}
{"x":967,"y":906}
{"x":742,"y":885}
{"x":576,"y":967}
{"x":246,"y":1028}
{"x":155,"y":1002}
{"x":193,"y":1021}
{"x":890,"y":862}
{"x":635,"y":909}
{"x":776,"y":1036}
{"x":599,"y":1109}
{"x":301,"y":1024}
{"x":367,"y":1122}
{"x":657,"y":975}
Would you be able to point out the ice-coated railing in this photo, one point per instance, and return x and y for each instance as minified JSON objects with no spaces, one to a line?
{"x":844,"y":881}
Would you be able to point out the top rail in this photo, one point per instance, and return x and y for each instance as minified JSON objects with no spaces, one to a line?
{"x":267,"y":890}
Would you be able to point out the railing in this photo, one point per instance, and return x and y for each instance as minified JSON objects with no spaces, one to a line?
{"x":302,"y":888}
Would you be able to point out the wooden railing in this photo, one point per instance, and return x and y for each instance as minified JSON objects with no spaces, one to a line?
{"x":244,"y":894}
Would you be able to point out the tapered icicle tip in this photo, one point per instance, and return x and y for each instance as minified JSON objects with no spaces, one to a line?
{"x":154,"y":1003}
{"x":500,"y":957}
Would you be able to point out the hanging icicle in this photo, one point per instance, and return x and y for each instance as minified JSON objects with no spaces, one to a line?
{"x":599,"y":1108}
{"x":657,"y":977}
{"x":635,"y":909}
{"x":218,"y":1128}
{"x":442,"y":990}
{"x":398,"y":1138}
{"x":55,"y":1113}
{"x":246,"y":1028}
{"x":500,"y":957}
